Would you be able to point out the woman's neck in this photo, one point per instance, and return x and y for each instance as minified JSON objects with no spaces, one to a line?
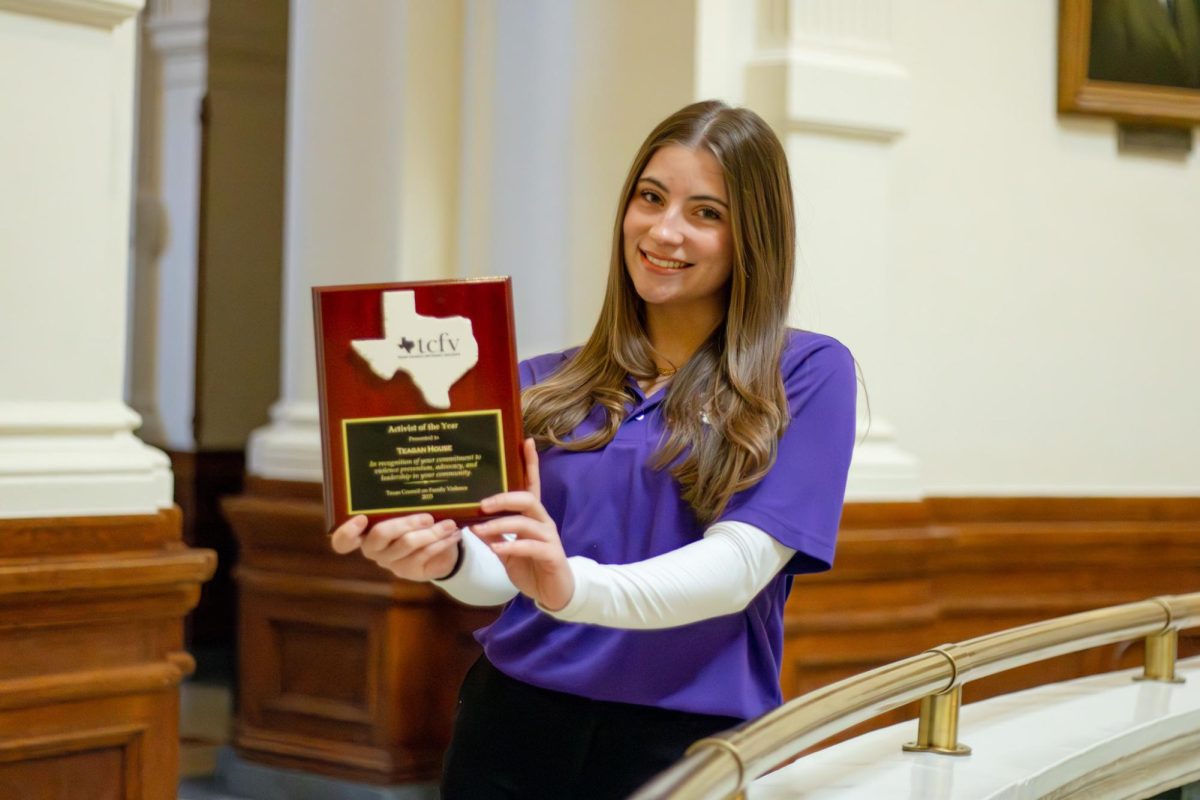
{"x":675,"y":334}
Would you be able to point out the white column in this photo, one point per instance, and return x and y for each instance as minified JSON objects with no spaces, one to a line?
{"x":515,"y":184}
{"x":66,"y":95}
{"x":822,"y":72}
{"x":173,"y":82}
{"x":556,"y":100}
{"x":371,"y":195}
{"x":518,"y":176}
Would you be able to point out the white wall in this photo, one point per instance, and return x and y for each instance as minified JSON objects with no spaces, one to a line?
{"x":1043,"y":294}
{"x":632,"y":67}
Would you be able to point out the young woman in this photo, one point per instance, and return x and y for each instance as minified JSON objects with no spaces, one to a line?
{"x":684,"y":464}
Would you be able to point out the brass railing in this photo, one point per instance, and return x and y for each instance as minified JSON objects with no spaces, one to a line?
{"x":722,"y":766}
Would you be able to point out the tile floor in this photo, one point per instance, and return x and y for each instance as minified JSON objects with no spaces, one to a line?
{"x":205,"y":788}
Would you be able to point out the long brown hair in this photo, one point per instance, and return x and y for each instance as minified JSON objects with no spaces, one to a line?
{"x":725,"y":408}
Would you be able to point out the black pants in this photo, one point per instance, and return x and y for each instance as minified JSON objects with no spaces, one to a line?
{"x":520,"y":742}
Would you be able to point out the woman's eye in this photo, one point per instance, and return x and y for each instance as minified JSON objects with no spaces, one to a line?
{"x":649,"y":196}
{"x":709,"y":213}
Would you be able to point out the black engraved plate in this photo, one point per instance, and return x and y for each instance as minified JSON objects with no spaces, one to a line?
{"x":423,"y":462}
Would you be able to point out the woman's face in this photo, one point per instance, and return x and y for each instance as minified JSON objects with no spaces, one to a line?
{"x":677,"y":237}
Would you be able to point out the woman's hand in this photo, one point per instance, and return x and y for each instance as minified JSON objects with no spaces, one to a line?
{"x":411,"y":547}
{"x":534,"y":560}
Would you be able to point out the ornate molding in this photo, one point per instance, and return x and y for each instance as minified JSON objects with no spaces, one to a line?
{"x":827,"y":65}
{"x":772,"y":23}
{"x":859,"y":25}
{"x":862,"y":25}
{"x":55,"y":417}
{"x":116,"y":572}
{"x":61,"y":458}
{"x":96,"y":13}
{"x":68,"y":474}
{"x":290,"y":447}
{"x":881,"y":471}
{"x":172,"y":37}
{"x":90,"y":684}
{"x":176,"y":9}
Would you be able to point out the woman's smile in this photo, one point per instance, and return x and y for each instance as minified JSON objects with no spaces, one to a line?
{"x":663,"y":263}
{"x":677,"y":238}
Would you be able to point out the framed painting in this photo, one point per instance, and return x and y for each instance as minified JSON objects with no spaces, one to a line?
{"x":1137,"y":61}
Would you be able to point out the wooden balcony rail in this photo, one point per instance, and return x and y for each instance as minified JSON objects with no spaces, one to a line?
{"x":722,"y":766}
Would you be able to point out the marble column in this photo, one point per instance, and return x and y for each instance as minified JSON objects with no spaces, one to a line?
{"x":372,"y":149}
{"x":96,"y":581}
{"x":66,"y":435}
{"x":166,"y":244}
{"x":822,"y":72}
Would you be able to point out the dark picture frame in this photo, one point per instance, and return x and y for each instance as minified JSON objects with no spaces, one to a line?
{"x":1133,"y":97}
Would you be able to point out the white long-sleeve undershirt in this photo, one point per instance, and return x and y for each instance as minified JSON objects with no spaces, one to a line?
{"x":480,"y":579}
{"x":718,"y":575}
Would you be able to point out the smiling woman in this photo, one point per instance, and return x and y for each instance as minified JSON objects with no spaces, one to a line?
{"x":710,"y":185}
{"x":678,"y":244}
{"x":684,"y":464}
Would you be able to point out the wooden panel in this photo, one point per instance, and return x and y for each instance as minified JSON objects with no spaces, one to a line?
{"x":344,"y":670}
{"x":317,"y":667}
{"x":91,"y":614}
{"x":102,"y":763}
{"x":336,"y":651}
{"x":1063,"y":509}
{"x":950,"y":569}
{"x":92,"y":774}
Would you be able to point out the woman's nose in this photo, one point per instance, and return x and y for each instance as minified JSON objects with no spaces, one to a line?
{"x":666,"y":229}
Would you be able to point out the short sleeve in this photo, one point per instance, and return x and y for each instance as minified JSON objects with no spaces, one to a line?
{"x":799,"y":501}
{"x":532,"y":371}
{"x":525,"y":372}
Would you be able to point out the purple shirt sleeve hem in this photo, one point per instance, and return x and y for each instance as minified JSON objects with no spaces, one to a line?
{"x":813,"y":553}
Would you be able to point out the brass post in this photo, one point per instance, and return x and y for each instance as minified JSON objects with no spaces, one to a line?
{"x":1161,"y":651}
{"x":937,"y":730}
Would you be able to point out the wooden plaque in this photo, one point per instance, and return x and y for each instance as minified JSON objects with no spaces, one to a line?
{"x":419,"y":395}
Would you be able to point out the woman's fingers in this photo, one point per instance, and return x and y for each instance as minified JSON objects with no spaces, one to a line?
{"x":520,"y":502}
{"x":397,"y":541}
{"x":348,"y":536}
{"x":411,"y":547}
{"x":533,"y":475}
{"x":526,"y":548}
{"x":522,"y":526}
{"x":386,"y":532}
{"x":420,"y":557}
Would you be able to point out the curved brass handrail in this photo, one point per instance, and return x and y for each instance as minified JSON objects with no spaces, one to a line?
{"x":721,"y":766}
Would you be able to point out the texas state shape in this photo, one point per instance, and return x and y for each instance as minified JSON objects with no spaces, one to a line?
{"x":434,"y":351}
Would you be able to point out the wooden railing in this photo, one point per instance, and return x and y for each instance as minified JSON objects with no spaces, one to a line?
{"x":722,"y":766}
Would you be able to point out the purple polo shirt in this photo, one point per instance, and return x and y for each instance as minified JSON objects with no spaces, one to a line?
{"x":614,"y":508}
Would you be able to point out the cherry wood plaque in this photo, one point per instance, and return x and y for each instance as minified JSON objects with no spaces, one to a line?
{"x":419,"y":396}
